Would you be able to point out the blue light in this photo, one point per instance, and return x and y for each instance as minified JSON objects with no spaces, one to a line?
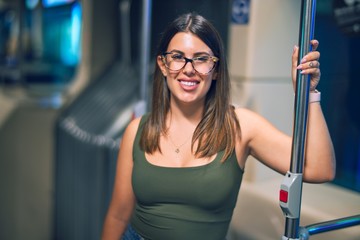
{"x":71,"y":50}
{"x":53,"y":3}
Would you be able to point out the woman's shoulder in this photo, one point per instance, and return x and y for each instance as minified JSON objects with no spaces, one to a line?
{"x":133,"y":126}
{"x":250,"y":121}
{"x":245,"y":114}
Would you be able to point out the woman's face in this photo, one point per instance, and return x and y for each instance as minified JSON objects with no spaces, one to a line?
{"x":187,"y":85}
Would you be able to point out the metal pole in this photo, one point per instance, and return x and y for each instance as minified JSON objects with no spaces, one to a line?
{"x":291,"y":189}
{"x":145,"y":49}
{"x":124,"y":8}
{"x":328,"y":226}
{"x":307,"y":27}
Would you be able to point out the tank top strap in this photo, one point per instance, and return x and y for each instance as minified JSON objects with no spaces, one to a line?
{"x":136,"y":146}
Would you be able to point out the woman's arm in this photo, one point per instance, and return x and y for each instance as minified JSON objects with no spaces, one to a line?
{"x":123,"y":199}
{"x":320,"y":161}
{"x":273,"y":148}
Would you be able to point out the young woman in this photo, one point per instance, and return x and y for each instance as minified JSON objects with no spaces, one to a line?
{"x":180,"y":166}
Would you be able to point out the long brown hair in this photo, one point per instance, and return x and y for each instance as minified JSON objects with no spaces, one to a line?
{"x":219,"y":125}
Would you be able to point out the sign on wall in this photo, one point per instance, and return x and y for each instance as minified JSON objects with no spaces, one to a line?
{"x":240,"y":11}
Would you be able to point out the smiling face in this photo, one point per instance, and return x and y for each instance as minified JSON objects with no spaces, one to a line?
{"x":187,"y":85}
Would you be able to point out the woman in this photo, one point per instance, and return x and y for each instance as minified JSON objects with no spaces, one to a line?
{"x":180,"y":166}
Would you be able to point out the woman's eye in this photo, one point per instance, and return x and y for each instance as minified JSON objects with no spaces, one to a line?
{"x":202,"y":59}
{"x":177,"y":56}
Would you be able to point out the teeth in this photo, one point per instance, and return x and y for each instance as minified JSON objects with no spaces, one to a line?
{"x":189,"y":83}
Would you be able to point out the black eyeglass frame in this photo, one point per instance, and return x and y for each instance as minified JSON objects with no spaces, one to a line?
{"x":191,"y":60}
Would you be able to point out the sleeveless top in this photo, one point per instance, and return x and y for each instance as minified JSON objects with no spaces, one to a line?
{"x":175,"y":203}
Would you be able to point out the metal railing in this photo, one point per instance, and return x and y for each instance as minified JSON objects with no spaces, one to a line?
{"x":322,"y":227}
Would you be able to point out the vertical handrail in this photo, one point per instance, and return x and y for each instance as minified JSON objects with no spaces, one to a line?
{"x":145,"y":50}
{"x":124,"y":7}
{"x":307,"y":27}
{"x":291,"y":188}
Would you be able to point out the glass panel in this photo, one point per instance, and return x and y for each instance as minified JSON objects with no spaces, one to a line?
{"x":340,"y":61}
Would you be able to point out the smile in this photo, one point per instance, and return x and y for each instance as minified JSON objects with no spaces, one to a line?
{"x":189,"y":83}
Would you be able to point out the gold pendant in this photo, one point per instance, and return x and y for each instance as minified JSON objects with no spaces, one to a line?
{"x":177,"y":150}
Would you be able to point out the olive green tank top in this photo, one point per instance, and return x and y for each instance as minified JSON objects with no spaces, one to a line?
{"x":176,"y":203}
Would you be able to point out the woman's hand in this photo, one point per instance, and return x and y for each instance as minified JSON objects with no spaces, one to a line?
{"x":308,"y":65}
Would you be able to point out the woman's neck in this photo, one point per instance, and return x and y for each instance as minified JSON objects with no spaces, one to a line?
{"x":185,"y":113}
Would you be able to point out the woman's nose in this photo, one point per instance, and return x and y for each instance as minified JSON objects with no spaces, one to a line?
{"x":188,"y":68}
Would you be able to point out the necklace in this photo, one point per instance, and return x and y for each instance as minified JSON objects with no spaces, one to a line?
{"x":177,"y":148}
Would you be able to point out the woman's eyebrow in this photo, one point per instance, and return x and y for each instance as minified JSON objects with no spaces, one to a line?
{"x":201,"y":53}
{"x":195,"y":54}
{"x":176,"y":51}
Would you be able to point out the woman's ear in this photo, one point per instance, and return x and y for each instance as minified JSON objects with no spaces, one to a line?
{"x":161,"y":64}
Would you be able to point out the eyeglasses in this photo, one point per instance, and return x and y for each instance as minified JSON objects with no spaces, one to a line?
{"x":203,"y":64}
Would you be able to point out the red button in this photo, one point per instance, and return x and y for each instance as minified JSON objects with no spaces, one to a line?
{"x":283,"y":196}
